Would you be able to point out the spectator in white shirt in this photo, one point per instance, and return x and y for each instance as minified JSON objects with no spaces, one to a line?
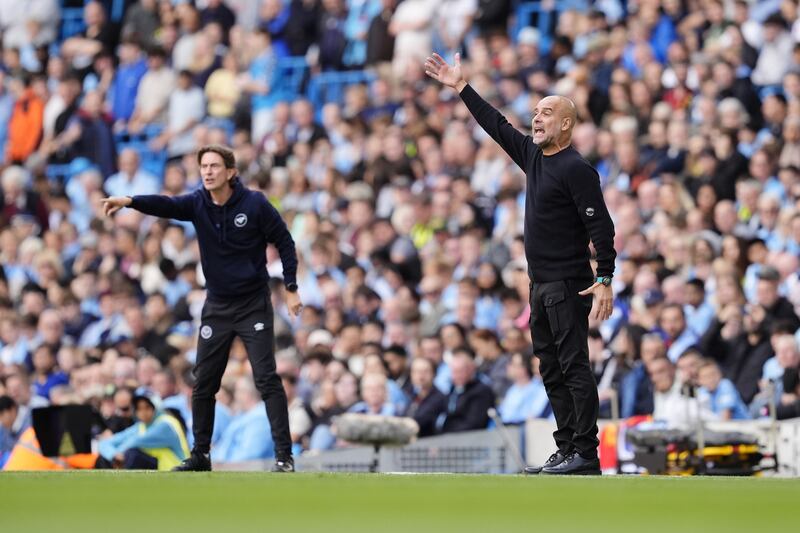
{"x":186,"y":110}
{"x":154,"y":92}
{"x":775,"y":56}
{"x":131,"y":179}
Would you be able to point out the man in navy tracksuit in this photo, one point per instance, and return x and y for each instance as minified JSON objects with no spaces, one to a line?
{"x":234,"y":226}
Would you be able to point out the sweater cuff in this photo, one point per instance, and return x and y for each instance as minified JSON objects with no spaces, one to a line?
{"x":605,"y":271}
{"x":467,"y":93}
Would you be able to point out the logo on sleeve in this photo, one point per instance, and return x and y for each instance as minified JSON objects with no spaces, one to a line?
{"x":240,"y":220}
{"x":205,"y":332}
{"x":590,"y":211}
{"x":259,"y":326}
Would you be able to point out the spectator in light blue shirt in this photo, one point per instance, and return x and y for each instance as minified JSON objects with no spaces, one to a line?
{"x":526,"y":398}
{"x":131,"y":179}
{"x":248,"y":436}
{"x":431,"y":348}
{"x":375,"y":392}
{"x":719,"y":394}
{"x":100,"y":332}
{"x":766,"y":221}
{"x":699,"y":313}
{"x":8,"y":437}
{"x":6,"y":108}
{"x":79,"y":189}
{"x":359,"y":14}
{"x":679,"y":337}
{"x":259,"y":82}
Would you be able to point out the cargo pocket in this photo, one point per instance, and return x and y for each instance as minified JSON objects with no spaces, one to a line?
{"x":531,"y":306}
{"x":554,"y":305}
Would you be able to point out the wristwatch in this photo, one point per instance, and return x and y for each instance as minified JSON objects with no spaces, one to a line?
{"x":291,"y":287}
{"x":605,"y":280}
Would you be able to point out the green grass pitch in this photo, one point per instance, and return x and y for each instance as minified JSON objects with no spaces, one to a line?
{"x":227,"y":502}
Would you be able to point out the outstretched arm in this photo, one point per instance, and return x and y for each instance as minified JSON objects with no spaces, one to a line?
{"x":517,"y":145}
{"x":177,"y":207}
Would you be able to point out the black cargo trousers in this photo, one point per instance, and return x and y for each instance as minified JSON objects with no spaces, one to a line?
{"x":560,"y":330}
{"x":251,"y":318}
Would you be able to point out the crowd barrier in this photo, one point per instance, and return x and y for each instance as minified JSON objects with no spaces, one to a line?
{"x":470,"y":452}
{"x":496,"y":451}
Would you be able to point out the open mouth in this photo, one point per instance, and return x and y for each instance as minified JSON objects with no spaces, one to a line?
{"x":538,"y":130}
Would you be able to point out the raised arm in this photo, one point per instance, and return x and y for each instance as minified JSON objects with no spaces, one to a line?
{"x":517,"y":145}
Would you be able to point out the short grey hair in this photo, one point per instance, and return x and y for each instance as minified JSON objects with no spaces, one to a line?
{"x":14,"y":177}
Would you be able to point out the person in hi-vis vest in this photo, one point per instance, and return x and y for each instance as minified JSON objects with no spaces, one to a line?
{"x":156,"y":442}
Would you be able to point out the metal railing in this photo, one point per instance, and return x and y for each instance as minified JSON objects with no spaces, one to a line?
{"x":473,"y":452}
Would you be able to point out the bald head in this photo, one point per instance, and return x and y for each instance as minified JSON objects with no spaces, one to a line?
{"x":567,"y":109}
{"x":554,"y":118}
{"x":563,"y":106}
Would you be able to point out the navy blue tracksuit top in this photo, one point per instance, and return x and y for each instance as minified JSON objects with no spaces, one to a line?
{"x":233,"y":237}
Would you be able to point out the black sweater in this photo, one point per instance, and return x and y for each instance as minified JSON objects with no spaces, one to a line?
{"x":467,"y":410}
{"x":426,"y":411}
{"x":564,"y":205}
{"x":233,"y":237}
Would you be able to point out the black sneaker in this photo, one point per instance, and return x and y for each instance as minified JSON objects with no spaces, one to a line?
{"x":283,"y":465}
{"x":575,"y":464}
{"x":196,"y":462}
{"x":554,"y":459}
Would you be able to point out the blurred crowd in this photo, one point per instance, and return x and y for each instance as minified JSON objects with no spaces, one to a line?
{"x":407,"y":217}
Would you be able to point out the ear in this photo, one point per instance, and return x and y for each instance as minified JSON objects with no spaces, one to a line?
{"x":566,"y":124}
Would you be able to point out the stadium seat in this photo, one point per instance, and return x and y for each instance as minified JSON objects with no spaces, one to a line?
{"x":545,"y":19}
{"x":152,"y":160}
{"x":289,"y":78}
{"x":63,"y":173}
{"x":71,"y":22}
{"x":331,"y":86}
{"x":72,"y":18}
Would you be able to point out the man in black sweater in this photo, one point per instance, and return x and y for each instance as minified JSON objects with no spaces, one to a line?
{"x":469,"y":400}
{"x":427,"y":403}
{"x":234,"y":226}
{"x":564,"y":208}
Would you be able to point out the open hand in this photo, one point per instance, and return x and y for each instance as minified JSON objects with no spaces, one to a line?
{"x":437,"y":68}
{"x":603,"y":303}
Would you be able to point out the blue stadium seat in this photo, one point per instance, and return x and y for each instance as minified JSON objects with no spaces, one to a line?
{"x":72,"y":18}
{"x":222,"y":124}
{"x":331,"y":86}
{"x":117,"y":10}
{"x":546,"y":19}
{"x":287,"y":81}
{"x":57,"y":173}
{"x":71,"y":22}
{"x":152,"y":160}
{"x":63,"y":173}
